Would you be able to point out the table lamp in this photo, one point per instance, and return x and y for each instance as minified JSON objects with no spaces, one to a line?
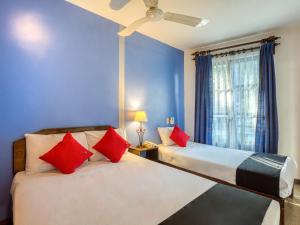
{"x":140,"y":116}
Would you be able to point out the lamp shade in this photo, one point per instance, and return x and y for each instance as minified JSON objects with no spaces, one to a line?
{"x":140,"y":116}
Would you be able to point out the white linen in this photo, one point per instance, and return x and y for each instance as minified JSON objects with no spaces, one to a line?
{"x":39,"y":144}
{"x":164,"y":133}
{"x":220,"y":163}
{"x":125,"y":193}
{"x":93,"y":137}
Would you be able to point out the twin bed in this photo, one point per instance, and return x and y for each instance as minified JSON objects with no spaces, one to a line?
{"x":133,"y":191}
{"x":226,"y":164}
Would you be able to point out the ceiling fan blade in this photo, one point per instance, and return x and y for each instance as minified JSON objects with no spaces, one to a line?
{"x":118,"y":4}
{"x":151,"y":3}
{"x":184,"y":19}
{"x":133,"y":27}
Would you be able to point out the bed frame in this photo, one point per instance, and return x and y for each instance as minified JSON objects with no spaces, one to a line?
{"x":19,"y":146}
{"x":19,"y":160}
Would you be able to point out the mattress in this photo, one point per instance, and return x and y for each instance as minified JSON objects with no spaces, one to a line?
{"x":220,"y":163}
{"x":135,"y":191}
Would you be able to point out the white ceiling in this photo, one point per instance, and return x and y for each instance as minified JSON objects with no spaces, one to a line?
{"x":228,"y":18}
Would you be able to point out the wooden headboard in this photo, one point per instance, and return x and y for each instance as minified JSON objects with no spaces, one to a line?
{"x":19,"y":146}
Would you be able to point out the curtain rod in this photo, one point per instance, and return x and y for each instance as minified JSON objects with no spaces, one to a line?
{"x":238,"y":51}
{"x":269,"y":39}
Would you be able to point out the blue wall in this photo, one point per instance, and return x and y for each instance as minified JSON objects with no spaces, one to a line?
{"x":154,"y":83}
{"x":71,"y":81}
{"x":62,"y":70}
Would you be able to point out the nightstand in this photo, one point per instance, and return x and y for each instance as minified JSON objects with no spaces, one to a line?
{"x":145,"y":152}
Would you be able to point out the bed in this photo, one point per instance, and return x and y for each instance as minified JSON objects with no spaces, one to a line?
{"x":130,"y":193}
{"x":223,"y":164}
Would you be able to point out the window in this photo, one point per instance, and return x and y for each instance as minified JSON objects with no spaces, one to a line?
{"x":235,"y":97}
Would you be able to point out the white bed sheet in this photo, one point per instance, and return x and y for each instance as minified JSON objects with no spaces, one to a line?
{"x":220,"y":163}
{"x":135,"y":191}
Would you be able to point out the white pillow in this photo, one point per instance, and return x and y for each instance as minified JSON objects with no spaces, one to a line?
{"x":39,"y":144}
{"x":93,"y":137}
{"x":164,"y":133}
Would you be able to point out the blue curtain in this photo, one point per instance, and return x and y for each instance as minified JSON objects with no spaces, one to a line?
{"x":204,"y":100}
{"x":266,"y":136}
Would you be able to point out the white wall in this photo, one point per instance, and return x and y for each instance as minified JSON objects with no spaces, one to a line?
{"x":287,"y":63}
{"x":189,"y":93}
{"x":288,"y":92}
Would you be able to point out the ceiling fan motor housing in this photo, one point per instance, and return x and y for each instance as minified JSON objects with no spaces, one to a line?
{"x":151,"y":3}
{"x":155,"y":14}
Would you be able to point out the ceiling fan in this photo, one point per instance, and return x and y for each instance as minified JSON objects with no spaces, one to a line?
{"x":155,"y":14}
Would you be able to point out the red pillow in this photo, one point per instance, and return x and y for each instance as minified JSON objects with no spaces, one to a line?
{"x":112,"y":145}
{"x":67,"y":155}
{"x":179,"y":137}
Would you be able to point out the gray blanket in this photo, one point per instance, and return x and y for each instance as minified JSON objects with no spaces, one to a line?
{"x":261,"y":172}
{"x":222,"y":205}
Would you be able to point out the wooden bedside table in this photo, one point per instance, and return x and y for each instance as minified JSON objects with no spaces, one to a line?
{"x":145,"y":152}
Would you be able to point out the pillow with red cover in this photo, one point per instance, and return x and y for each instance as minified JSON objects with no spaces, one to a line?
{"x":67,"y":155}
{"x":179,"y":136}
{"x":112,"y":145}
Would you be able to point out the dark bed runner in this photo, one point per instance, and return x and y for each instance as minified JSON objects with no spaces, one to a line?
{"x":222,"y":205}
{"x":261,"y":172}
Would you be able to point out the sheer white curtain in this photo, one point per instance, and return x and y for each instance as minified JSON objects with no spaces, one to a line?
{"x":235,"y":96}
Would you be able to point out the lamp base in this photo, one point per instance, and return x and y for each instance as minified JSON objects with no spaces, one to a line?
{"x":141,"y":131}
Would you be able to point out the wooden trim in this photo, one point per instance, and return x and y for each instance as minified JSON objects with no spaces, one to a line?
{"x":19,"y":146}
{"x":297,"y":181}
{"x":278,"y":199}
{"x":6,"y":222}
